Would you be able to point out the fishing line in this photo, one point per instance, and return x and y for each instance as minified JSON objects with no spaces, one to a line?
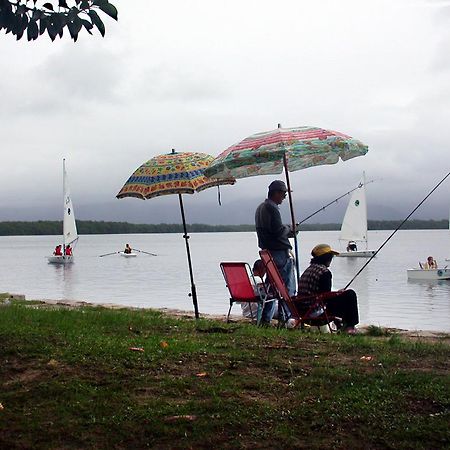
{"x":395,"y":231}
{"x":360,"y":185}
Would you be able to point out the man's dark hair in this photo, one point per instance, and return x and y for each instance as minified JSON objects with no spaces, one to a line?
{"x":322,"y":259}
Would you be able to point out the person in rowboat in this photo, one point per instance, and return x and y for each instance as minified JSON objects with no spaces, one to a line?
{"x":316,"y":279}
{"x":128,"y":249}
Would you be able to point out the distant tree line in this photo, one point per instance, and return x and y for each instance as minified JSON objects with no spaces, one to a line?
{"x":46,"y":227}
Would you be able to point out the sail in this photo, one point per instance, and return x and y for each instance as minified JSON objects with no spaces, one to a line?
{"x":69,"y":225}
{"x":354,"y":225}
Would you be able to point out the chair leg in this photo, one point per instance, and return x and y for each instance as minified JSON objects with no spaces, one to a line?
{"x":229,"y":311}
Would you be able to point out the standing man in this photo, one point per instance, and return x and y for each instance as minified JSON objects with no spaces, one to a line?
{"x":274,"y":236}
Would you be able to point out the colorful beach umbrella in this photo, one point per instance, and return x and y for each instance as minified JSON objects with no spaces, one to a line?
{"x":293,"y":149}
{"x":174,"y":173}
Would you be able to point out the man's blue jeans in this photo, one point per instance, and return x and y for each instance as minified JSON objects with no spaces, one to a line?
{"x":285,"y":265}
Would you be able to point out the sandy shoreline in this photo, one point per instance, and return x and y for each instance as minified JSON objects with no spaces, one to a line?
{"x":410,"y":334}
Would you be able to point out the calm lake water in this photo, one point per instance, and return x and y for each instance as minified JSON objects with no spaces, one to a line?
{"x":385,"y":295}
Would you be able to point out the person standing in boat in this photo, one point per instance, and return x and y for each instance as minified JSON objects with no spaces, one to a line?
{"x":57,"y":251}
{"x":430,"y":264}
{"x":316,"y":279}
{"x":128,"y":249}
{"x":68,"y":250}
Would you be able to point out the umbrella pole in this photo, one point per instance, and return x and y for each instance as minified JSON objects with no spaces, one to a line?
{"x":193,"y":292}
{"x":288,"y":182}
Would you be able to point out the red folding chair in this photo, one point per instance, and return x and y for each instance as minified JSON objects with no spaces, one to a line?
{"x":238,"y":278}
{"x":309,"y":310}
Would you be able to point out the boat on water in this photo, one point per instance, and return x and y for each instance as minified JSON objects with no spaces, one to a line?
{"x":70,"y":234}
{"x":429,"y":274}
{"x":354,"y":225}
{"x":128,"y":255}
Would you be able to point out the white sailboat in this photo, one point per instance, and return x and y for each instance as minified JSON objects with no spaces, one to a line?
{"x":354,"y":225}
{"x":70,"y":234}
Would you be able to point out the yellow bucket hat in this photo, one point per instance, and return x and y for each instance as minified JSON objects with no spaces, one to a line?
{"x":323,"y":249}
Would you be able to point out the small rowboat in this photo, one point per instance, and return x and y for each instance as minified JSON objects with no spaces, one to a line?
{"x":128,"y":255}
{"x":357,"y":253}
{"x":428,"y":274}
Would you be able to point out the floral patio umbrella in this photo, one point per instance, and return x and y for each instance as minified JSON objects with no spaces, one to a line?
{"x":289,"y":148}
{"x":173,"y":173}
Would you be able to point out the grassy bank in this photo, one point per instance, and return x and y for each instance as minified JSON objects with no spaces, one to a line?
{"x":70,"y":379}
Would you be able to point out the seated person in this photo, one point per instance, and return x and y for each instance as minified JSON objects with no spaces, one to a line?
{"x":68,"y":250}
{"x":249,"y":309}
{"x":430,"y":264}
{"x":351,"y":246}
{"x":57,"y":251}
{"x":316,"y":279}
{"x":127,"y":248}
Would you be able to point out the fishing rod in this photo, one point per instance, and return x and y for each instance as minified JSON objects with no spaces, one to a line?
{"x":360,"y":185}
{"x":395,"y":231}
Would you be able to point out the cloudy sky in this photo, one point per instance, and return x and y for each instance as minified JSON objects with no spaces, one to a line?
{"x":201,"y":75}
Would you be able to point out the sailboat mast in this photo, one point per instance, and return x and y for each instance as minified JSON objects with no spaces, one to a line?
{"x":64,"y":204}
{"x":365,"y":207}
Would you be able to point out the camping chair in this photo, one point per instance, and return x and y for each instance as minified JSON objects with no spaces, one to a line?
{"x":238,"y":278}
{"x":310,"y":310}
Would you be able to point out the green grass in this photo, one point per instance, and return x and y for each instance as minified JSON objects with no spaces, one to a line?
{"x":69,"y":380}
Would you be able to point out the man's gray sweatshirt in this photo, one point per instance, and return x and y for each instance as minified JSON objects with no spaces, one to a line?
{"x":272,"y":234}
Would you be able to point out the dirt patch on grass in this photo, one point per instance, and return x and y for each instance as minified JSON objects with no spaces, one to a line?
{"x":424,"y":406}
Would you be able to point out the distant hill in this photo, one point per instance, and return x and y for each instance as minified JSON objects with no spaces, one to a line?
{"x":44,"y":227}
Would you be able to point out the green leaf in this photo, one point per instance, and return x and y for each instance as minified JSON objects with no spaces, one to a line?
{"x":23,"y":23}
{"x":110,"y":10}
{"x":21,"y":9}
{"x":32,"y":31}
{"x":97,"y":22}
{"x":52,"y":32}
{"x":37,"y":14}
{"x":43,"y":25}
{"x":88,"y":25}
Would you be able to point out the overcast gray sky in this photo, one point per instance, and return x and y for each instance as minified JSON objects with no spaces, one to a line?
{"x":200,"y":75}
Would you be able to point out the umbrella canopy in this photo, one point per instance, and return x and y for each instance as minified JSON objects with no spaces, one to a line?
{"x":289,"y":148}
{"x":173,"y":173}
{"x":263,"y":153}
